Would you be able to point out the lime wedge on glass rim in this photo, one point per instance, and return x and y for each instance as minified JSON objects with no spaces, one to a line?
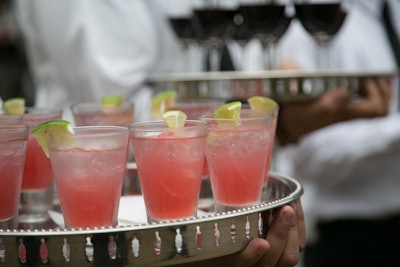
{"x":14,"y":106}
{"x":174,"y":118}
{"x":162,"y":102}
{"x":110,"y":102}
{"x":261,"y":102}
{"x":53,"y":126}
{"x":229,"y":111}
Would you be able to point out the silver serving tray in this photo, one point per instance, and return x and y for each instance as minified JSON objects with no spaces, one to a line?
{"x":180,"y":241}
{"x":282,"y":85}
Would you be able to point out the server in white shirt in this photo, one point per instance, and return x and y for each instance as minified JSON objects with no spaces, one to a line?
{"x":350,"y":169}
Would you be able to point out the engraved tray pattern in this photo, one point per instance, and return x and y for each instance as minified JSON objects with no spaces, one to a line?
{"x":159,"y":244}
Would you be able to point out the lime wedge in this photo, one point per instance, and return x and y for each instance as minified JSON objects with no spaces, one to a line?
{"x":228,"y":111}
{"x":14,"y":106}
{"x":261,"y":102}
{"x":174,"y":118}
{"x":162,"y":102}
{"x":53,"y":126}
{"x":110,"y":102}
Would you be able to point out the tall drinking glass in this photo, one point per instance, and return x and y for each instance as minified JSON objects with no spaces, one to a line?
{"x":37,"y":182}
{"x":237,"y":152}
{"x":89,"y":167}
{"x":13,"y":139}
{"x":170,"y":164}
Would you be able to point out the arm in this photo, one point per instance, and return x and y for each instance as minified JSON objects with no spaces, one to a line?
{"x":299,"y":119}
{"x":330,"y":152}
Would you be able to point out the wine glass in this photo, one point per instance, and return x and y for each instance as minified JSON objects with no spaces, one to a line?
{"x":210,"y":21}
{"x":322,"y":20}
{"x":269,"y":21}
{"x":240,"y":32}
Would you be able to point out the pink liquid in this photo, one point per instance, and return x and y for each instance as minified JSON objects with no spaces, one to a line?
{"x":11,"y":165}
{"x":89,"y":185}
{"x":38,"y":173}
{"x":194,"y":109}
{"x":170,"y":174}
{"x":237,"y":165}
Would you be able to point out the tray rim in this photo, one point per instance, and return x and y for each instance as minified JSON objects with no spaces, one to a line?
{"x":270,"y":74}
{"x":295,"y":194}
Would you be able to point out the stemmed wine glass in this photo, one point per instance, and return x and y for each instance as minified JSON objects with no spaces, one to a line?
{"x":240,"y":32}
{"x":210,"y":21}
{"x":269,"y":21}
{"x":322,"y":20}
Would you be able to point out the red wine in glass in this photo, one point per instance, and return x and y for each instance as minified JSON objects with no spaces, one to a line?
{"x":183,"y":29}
{"x":210,"y":24}
{"x":240,"y":32}
{"x":268,"y":22}
{"x":322,"y":21}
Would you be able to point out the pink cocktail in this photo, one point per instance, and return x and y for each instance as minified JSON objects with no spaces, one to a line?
{"x":272,"y":111}
{"x":194,"y":109}
{"x":93,"y":114}
{"x":237,"y":152}
{"x":12,"y":157}
{"x":170,"y":163}
{"x":37,"y":182}
{"x":89,"y":168}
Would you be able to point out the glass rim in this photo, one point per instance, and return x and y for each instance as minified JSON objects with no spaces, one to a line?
{"x":18,"y":131}
{"x":93,"y":105}
{"x":92,"y":130}
{"x":248,"y":116}
{"x":162,"y":124}
{"x":40,"y":110}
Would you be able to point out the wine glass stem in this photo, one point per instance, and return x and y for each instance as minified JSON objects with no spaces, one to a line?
{"x":270,"y":56}
{"x":323,"y":56}
{"x":214,"y":58}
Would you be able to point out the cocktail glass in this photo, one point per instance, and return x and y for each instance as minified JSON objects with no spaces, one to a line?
{"x":170,"y":164}
{"x":94,"y":114}
{"x":37,"y":194}
{"x":12,"y":157}
{"x":89,"y":168}
{"x":194,"y":109}
{"x":237,"y":152}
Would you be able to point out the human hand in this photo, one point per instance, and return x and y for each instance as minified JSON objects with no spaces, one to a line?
{"x":285,"y":240}
{"x":336,"y":105}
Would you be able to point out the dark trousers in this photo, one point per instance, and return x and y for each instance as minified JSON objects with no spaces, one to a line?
{"x":356,"y":243}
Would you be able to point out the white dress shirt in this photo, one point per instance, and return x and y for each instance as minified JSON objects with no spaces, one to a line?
{"x":82,"y":50}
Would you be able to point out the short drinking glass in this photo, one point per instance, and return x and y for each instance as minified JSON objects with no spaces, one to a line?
{"x":37,"y":193}
{"x":89,"y":168}
{"x":12,"y":157}
{"x":170,"y":165}
{"x":237,"y":152}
